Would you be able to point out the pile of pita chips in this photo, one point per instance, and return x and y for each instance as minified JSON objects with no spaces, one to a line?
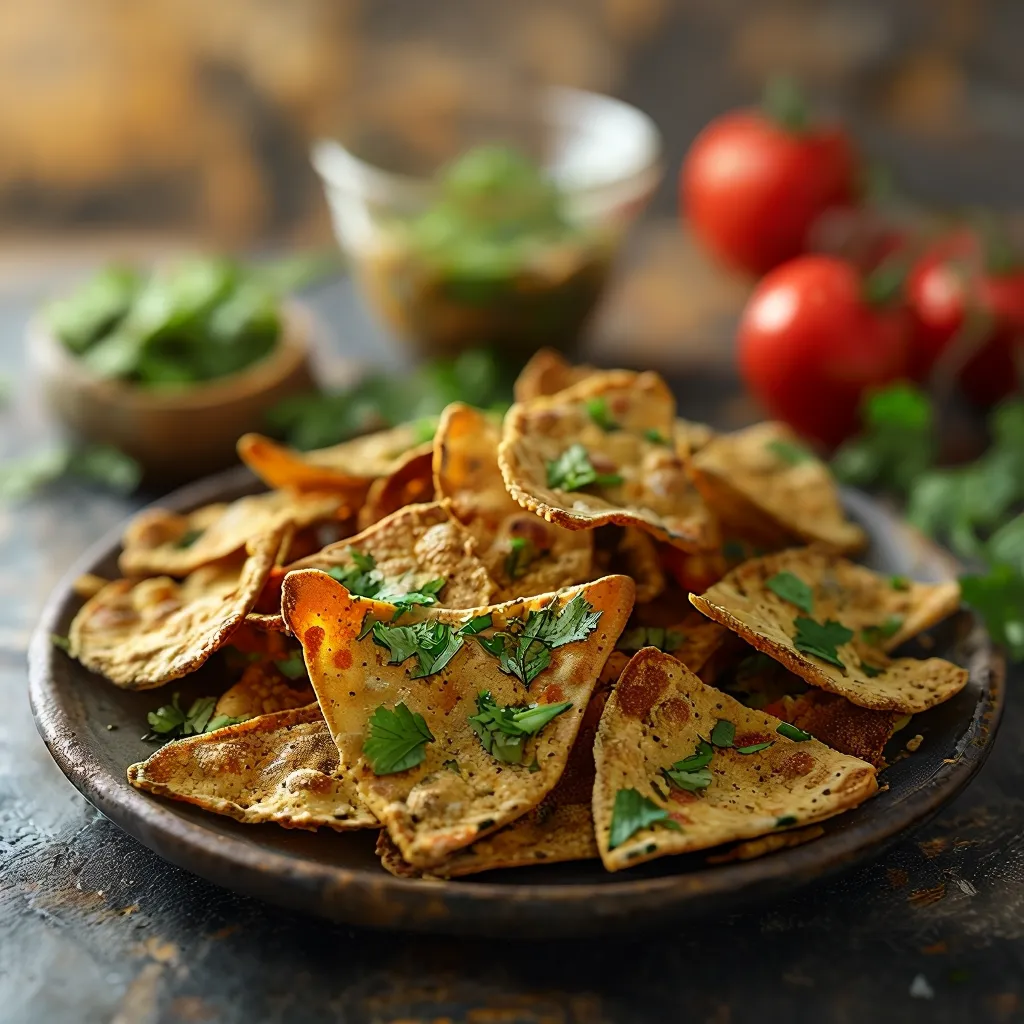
{"x":523,"y":641}
{"x":424,"y":712}
{"x":681,"y":766}
{"x":605,"y":451}
{"x":832,"y":622}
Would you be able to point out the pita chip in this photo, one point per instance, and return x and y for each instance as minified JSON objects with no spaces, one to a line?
{"x":162,"y":543}
{"x":765,"y":486}
{"x":603,"y":452}
{"x":411,"y":482}
{"x":280,"y":768}
{"x":838,"y":634}
{"x":744,"y":779}
{"x":547,"y":373}
{"x":524,"y":554}
{"x":399,"y":698}
{"x":264,"y":689}
{"x":143,"y":634}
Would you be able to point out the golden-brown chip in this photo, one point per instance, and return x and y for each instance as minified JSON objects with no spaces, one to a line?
{"x":620,"y":426}
{"x":631,"y":552}
{"x":429,"y":809}
{"x":691,"y":436}
{"x":657,"y":715}
{"x":146,"y":633}
{"x":524,"y":554}
{"x":262,"y":690}
{"x":162,"y":543}
{"x":751,"y":849}
{"x":879,"y":613}
{"x":766,"y":487}
{"x":411,"y":482}
{"x":349,"y":467}
{"x":547,"y":373}
{"x":278,"y":768}
{"x":560,"y":828}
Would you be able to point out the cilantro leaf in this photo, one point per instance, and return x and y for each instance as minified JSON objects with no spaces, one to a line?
{"x":576,"y":621}
{"x":655,"y":437}
{"x":293,"y":666}
{"x":633,"y":812}
{"x":821,"y":639}
{"x":521,"y":553}
{"x":753,"y":748}
{"x":397,"y":740}
{"x":573,"y":470}
{"x":63,"y":642}
{"x":998,"y":597}
{"x":786,"y":821}
{"x":402,"y":594}
{"x":172,"y":720}
{"x":790,"y":452}
{"x":597,"y":410}
{"x":503,"y":730}
{"x":723,"y":733}
{"x":690,"y":781}
{"x":875,"y":635}
{"x":434,"y":644}
{"x":791,"y":588}
{"x":650,"y":636}
{"x":700,"y":759}
{"x":899,"y":583}
{"x":363,"y":579}
{"x":791,"y":732}
{"x":519,"y":656}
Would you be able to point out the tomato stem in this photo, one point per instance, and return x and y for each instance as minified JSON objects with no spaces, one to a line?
{"x":885,"y":283}
{"x":785,"y":103}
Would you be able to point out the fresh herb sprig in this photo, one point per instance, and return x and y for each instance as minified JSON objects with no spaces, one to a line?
{"x":573,"y":470}
{"x":433,"y":643}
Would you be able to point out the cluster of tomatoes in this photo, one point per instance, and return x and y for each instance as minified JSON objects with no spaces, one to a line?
{"x":821,"y":328}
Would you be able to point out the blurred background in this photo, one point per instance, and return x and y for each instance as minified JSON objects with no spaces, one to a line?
{"x":129,"y":127}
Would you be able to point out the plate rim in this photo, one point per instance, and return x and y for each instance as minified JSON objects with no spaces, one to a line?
{"x":186,"y":843}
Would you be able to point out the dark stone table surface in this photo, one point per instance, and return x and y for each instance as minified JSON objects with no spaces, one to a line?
{"x":95,"y":928}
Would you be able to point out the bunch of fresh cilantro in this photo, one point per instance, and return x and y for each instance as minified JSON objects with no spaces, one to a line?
{"x":977,"y":508}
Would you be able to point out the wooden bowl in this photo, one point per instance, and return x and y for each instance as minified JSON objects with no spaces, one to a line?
{"x":176,"y":434}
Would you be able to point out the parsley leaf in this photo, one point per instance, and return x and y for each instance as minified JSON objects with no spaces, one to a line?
{"x":397,"y":740}
{"x":576,"y":621}
{"x":572,"y":471}
{"x":503,"y":730}
{"x":434,"y":644}
{"x":655,"y":437}
{"x":172,"y":720}
{"x":899,"y":583}
{"x":518,"y":656}
{"x":363,"y":579}
{"x":753,"y":748}
{"x":690,"y":781}
{"x":790,"y":451}
{"x":650,"y":636}
{"x":597,"y":410}
{"x":791,"y":588}
{"x":821,"y":639}
{"x":723,"y":733}
{"x":998,"y":597}
{"x":293,"y":666}
{"x":875,"y":635}
{"x":633,"y":812}
{"x":700,"y":759}
{"x":791,"y":732}
{"x":521,"y":553}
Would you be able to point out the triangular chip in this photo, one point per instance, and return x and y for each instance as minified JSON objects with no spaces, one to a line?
{"x":279,"y":768}
{"x":659,"y":715}
{"x":765,"y":486}
{"x":264,"y":689}
{"x":415,"y":714}
{"x":547,"y":373}
{"x":411,"y":482}
{"x":634,"y":553}
{"x":844,"y":620}
{"x":691,"y":437}
{"x":143,"y":634}
{"x":560,"y":828}
{"x":159,"y":542}
{"x":605,"y":451}
{"x":350,"y":466}
{"x":522,"y":552}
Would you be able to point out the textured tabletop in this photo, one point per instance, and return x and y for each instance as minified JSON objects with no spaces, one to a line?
{"x":93,"y":927}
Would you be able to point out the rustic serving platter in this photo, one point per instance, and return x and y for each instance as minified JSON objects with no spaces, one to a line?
{"x":93,"y":731}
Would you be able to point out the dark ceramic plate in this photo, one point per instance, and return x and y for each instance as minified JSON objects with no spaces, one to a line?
{"x":337,"y":876}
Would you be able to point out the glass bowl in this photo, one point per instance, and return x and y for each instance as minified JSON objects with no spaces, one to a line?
{"x":604,"y":158}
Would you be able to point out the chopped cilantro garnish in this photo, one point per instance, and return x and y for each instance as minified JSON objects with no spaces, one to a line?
{"x":172,"y":720}
{"x":870,"y":670}
{"x":187,"y":539}
{"x":60,"y":641}
{"x":690,"y":781}
{"x":573,"y":470}
{"x":791,"y":588}
{"x":434,"y":644}
{"x":791,"y":732}
{"x":899,"y":583}
{"x":875,"y":635}
{"x":785,"y":821}
{"x":753,"y":748}
{"x":998,"y":597}
{"x":521,"y":554}
{"x":292,"y":666}
{"x":452,"y":765}
{"x":700,"y":759}
{"x":650,"y":636}
{"x":790,"y":451}
{"x":821,"y":639}
{"x":633,"y":812}
{"x":723,"y":733}
{"x":524,"y":650}
{"x":655,"y":436}
{"x":597,"y":410}
{"x":503,"y":730}
{"x":397,"y":740}
{"x":363,"y":579}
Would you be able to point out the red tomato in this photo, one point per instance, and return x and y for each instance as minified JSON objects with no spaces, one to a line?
{"x":943,"y":285}
{"x":810,"y":344}
{"x":751,"y":189}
